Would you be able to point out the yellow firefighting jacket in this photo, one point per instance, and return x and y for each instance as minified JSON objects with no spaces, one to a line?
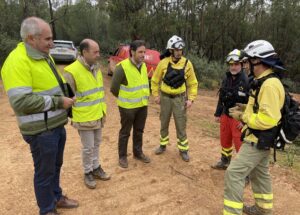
{"x":161,"y":69}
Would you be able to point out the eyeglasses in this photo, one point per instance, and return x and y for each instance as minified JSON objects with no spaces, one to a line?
{"x":178,"y":45}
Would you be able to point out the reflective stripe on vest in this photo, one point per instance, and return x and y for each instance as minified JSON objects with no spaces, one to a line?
{"x":41,"y":81}
{"x":89,"y":105}
{"x":136,"y":93}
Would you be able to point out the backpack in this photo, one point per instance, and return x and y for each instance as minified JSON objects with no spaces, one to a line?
{"x":288,"y":127}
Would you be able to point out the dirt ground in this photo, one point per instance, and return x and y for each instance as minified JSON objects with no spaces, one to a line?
{"x":166,"y":186}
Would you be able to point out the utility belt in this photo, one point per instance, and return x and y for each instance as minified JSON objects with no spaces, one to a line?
{"x":172,"y":96}
{"x":266,"y":138}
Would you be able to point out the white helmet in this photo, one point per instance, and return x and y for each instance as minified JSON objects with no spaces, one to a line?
{"x":260,"y":49}
{"x":234,"y":56}
{"x":175,"y":42}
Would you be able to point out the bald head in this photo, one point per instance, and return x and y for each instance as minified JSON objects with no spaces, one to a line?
{"x":90,"y":51}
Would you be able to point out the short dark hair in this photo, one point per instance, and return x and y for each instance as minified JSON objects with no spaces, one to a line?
{"x":84,"y":45}
{"x":135,"y":45}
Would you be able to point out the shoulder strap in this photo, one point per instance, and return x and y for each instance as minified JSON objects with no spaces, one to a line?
{"x":257,"y":85}
{"x":185,"y":64}
{"x":58,"y":78}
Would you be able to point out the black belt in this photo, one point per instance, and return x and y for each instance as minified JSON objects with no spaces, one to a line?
{"x":172,"y":96}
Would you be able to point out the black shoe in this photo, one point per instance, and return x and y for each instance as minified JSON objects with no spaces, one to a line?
{"x":89,"y":180}
{"x":123,"y":162}
{"x":161,"y":149}
{"x":100,"y":174}
{"x":255,"y":210}
{"x":220,"y":165}
{"x":184,"y":155}
{"x":142,"y":157}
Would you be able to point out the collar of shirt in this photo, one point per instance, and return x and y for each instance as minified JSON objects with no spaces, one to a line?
{"x":93,"y":68}
{"x":265,"y":73}
{"x":138,"y":66}
{"x":34,"y":53}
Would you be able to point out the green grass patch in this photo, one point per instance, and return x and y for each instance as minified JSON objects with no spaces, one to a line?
{"x":290,"y":157}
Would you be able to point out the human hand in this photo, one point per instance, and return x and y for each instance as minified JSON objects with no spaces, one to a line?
{"x":236,"y":114}
{"x":217,"y":119}
{"x":67,"y":102}
{"x":157,"y":100}
{"x":241,"y":106}
{"x":188,"y":103}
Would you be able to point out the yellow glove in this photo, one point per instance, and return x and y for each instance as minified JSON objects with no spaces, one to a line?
{"x":241,"y":106}
{"x":236,"y":114}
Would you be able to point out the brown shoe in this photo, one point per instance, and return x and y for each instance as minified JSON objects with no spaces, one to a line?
{"x":142,"y":157}
{"x":100,"y":174}
{"x":123,"y":162}
{"x":65,"y":202}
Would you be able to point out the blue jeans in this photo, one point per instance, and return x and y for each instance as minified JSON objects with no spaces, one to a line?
{"x":47,"y":149}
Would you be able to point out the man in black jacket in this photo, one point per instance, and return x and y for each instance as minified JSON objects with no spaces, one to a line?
{"x":234,"y":89}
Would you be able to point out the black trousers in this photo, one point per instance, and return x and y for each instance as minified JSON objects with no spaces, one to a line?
{"x":135,"y":118}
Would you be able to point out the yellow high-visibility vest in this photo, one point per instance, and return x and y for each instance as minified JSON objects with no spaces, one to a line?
{"x":24,"y":75}
{"x":136,"y":93}
{"x":89,"y":105}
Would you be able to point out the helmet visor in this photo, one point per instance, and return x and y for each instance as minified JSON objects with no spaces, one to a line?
{"x":178,"y":45}
{"x":232,"y":59}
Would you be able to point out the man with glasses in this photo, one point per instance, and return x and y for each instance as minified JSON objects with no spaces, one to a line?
{"x":234,"y":89}
{"x":174,"y":86}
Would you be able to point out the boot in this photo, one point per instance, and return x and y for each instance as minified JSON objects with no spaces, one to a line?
{"x":161,"y":149}
{"x":89,"y":180}
{"x":100,"y":174}
{"x":184,"y":155}
{"x":255,"y":210}
{"x":223,"y":163}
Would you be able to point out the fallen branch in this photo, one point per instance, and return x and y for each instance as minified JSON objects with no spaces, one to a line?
{"x":189,"y":177}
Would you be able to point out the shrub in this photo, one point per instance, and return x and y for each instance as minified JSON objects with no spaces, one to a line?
{"x":209,"y":74}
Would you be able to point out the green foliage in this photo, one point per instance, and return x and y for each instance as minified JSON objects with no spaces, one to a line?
{"x":209,"y":74}
{"x":210,"y":29}
{"x":6,"y":45}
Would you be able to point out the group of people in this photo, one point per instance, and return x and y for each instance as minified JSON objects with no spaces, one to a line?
{"x":249,"y":113}
{"x":43,"y":99}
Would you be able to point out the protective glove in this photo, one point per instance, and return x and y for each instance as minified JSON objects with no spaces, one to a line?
{"x":236,"y":114}
{"x":241,"y":106}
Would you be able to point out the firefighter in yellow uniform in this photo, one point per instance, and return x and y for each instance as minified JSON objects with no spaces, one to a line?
{"x":174,"y":86}
{"x":261,"y":116}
